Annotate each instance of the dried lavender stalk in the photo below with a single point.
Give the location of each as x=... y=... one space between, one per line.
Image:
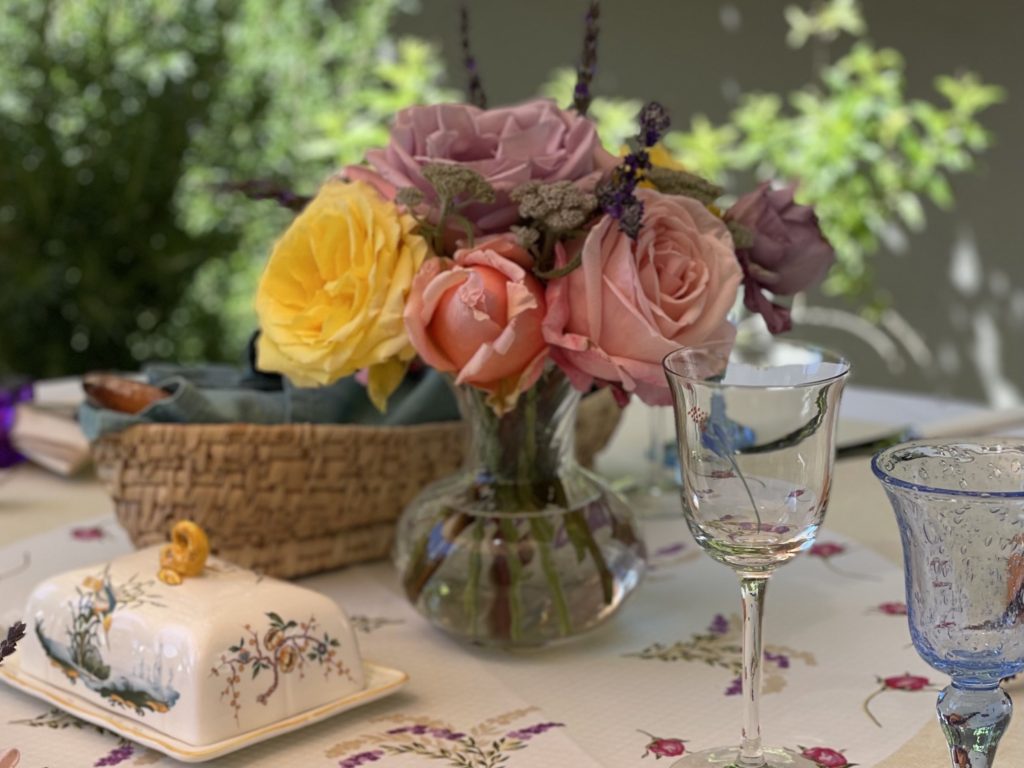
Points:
x=267 y=189
x=474 y=87
x=9 y=645
x=581 y=97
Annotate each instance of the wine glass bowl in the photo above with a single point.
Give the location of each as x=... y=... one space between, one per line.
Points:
x=756 y=435
x=960 y=509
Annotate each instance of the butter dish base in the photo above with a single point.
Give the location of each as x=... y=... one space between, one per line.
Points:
x=380 y=682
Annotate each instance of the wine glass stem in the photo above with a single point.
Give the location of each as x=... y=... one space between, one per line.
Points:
x=752 y=587
x=973 y=719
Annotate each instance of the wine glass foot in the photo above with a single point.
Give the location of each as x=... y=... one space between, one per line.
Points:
x=728 y=757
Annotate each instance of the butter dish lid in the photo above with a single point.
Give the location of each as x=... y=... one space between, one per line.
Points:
x=195 y=647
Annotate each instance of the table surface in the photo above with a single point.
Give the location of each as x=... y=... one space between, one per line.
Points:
x=600 y=671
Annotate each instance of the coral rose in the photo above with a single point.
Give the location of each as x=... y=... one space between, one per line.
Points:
x=479 y=316
x=533 y=141
x=629 y=304
x=331 y=299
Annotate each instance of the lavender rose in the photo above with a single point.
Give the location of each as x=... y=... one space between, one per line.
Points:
x=789 y=253
x=533 y=141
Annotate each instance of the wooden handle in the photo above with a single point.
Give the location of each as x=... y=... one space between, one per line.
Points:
x=117 y=393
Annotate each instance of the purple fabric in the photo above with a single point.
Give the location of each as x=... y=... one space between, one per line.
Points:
x=9 y=398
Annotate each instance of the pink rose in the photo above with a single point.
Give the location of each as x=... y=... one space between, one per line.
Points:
x=789 y=253
x=479 y=316
x=827 y=758
x=629 y=304
x=534 y=140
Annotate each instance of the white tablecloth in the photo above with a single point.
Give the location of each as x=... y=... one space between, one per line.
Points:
x=660 y=676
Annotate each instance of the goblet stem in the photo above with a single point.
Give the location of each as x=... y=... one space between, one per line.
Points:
x=752 y=587
x=973 y=720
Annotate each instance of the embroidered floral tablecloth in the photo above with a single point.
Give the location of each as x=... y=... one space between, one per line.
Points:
x=842 y=682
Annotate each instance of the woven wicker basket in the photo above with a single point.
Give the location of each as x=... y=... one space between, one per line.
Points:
x=294 y=499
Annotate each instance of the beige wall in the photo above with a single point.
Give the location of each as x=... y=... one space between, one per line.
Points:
x=958 y=286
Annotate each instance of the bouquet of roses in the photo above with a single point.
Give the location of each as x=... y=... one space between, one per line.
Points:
x=508 y=248
x=492 y=241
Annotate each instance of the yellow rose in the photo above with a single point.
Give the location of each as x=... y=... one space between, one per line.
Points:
x=331 y=299
x=661 y=158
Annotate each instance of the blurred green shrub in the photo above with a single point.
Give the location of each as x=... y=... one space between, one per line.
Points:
x=119 y=119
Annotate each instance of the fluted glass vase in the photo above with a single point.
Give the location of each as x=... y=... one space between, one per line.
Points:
x=522 y=546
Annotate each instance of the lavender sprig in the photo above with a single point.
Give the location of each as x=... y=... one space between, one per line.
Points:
x=581 y=97
x=9 y=645
x=475 y=88
x=616 y=196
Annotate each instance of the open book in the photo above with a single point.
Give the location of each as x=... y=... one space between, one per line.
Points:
x=49 y=436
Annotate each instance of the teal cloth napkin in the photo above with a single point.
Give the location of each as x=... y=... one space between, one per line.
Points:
x=217 y=394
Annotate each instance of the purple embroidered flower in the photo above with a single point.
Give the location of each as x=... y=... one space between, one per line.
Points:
x=719 y=625
x=781 y=659
x=525 y=734
x=670 y=549
x=735 y=688
x=117 y=755
x=448 y=735
x=424 y=730
x=361 y=759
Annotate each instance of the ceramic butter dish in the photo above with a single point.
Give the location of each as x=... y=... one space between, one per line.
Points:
x=200 y=658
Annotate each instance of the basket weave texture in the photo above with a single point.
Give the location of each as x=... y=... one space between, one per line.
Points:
x=291 y=499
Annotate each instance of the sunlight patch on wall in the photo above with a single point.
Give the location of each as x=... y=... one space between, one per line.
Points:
x=965 y=264
x=987 y=354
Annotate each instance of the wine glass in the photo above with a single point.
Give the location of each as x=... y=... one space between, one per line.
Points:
x=960 y=508
x=756 y=431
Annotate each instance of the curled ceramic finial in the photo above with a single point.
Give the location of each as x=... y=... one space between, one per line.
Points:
x=186 y=555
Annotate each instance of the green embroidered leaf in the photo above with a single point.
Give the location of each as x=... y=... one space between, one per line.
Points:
x=276 y=620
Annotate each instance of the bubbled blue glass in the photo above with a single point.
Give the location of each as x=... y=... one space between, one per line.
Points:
x=960 y=508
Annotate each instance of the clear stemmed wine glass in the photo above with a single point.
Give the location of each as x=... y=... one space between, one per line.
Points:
x=960 y=508
x=756 y=432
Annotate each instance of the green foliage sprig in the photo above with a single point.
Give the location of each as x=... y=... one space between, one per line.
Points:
x=455 y=187
x=552 y=213
x=866 y=155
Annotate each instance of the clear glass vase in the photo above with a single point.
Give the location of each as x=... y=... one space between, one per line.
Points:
x=522 y=546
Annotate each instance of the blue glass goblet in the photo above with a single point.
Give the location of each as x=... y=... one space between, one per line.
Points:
x=960 y=508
